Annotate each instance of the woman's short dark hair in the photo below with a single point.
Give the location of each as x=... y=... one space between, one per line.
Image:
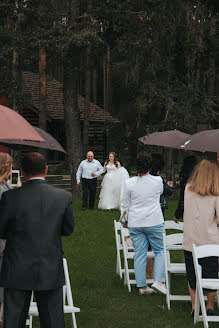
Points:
x=157 y=163
x=144 y=162
x=33 y=163
x=187 y=168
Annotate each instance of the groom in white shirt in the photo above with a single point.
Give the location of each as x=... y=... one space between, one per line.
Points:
x=89 y=169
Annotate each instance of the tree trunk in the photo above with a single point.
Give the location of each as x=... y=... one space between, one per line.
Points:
x=72 y=121
x=42 y=89
x=94 y=83
x=16 y=82
x=87 y=102
x=104 y=85
x=108 y=83
x=211 y=62
x=169 y=165
x=70 y=94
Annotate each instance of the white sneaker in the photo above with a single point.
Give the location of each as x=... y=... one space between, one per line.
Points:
x=160 y=287
x=148 y=290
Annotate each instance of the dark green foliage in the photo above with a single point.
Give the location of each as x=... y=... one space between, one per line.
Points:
x=161 y=77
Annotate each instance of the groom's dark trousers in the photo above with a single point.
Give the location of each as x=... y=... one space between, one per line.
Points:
x=32 y=220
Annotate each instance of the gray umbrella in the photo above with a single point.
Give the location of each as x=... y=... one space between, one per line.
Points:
x=50 y=142
x=172 y=138
x=207 y=140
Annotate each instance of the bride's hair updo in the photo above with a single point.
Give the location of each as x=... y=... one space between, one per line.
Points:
x=115 y=160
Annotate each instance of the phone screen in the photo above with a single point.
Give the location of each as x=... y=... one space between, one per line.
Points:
x=14 y=178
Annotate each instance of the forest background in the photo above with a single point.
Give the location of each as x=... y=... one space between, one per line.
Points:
x=153 y=64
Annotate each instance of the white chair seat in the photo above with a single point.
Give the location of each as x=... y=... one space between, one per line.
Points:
x=70 y=309
x=177 y=268
x=210 y=283
x=33 y=310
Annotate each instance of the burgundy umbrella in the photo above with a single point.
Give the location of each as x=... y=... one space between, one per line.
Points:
x=172 y=138
x=207 y=140
x=14 y=126
x=48 y=143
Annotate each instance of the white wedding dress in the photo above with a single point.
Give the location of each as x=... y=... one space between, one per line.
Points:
x=111 y=187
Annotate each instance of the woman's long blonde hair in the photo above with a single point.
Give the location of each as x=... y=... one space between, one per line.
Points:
x=5 y=166
x=205 y=178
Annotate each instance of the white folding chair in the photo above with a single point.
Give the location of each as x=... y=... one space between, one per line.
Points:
x=198 y=253
x=67 y=301
x=173 y=242
x=119 y=248
x=170 y=224
x=128 y=254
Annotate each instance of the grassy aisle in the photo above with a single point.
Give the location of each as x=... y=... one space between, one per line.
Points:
x=98 y=291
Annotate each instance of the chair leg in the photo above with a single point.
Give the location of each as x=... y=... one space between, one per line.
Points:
x=31 y=321
x=217 y=299
x=197 y=307
x=203 y=308
x=74 y=324
x=119 y=266
x=168 y=290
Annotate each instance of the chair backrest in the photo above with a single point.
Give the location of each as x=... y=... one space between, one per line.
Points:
x=205 y=251
x=117 y=227
x=173 y=239
x=67 y=287
x=124 y=243
x=170 y=224
x=171 y=242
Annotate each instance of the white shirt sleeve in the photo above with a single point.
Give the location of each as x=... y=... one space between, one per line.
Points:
x=162 y=186
x=79 y=172
x=100 y=169
x=125 y=199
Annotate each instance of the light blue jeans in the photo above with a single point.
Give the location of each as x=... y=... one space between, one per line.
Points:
x=141 y=238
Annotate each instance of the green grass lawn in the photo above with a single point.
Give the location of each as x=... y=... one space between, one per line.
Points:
x=104 y=300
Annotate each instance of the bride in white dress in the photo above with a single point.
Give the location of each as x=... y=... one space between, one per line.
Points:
x=112 y=184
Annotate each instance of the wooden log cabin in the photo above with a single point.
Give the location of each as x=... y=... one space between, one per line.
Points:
x=99 y=118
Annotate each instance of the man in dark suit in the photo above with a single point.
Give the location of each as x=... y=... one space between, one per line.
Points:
x=32 y=220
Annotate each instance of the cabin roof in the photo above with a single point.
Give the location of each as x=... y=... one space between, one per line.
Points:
x=54 y=99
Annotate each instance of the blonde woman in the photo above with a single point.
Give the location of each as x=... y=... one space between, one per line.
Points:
x=5 y=172
x=201 y=217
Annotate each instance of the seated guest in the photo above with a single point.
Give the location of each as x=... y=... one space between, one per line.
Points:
x=201 y=217
x=189 y=163
x=33 y=219
x=141 y=199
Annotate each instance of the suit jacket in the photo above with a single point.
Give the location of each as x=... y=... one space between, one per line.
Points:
x=32 y=219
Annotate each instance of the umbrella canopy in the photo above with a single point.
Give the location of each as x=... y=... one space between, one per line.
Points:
x=48 y=143
x=172 y=139
x=14 y=126
x=207 y=140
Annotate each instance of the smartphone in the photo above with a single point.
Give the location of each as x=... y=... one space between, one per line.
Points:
x=15 y=176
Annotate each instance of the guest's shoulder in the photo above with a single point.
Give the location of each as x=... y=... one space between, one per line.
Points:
x=131 y=181
x=11 y=192
x=156 y=178
x=59 y=191
x=96 y=161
